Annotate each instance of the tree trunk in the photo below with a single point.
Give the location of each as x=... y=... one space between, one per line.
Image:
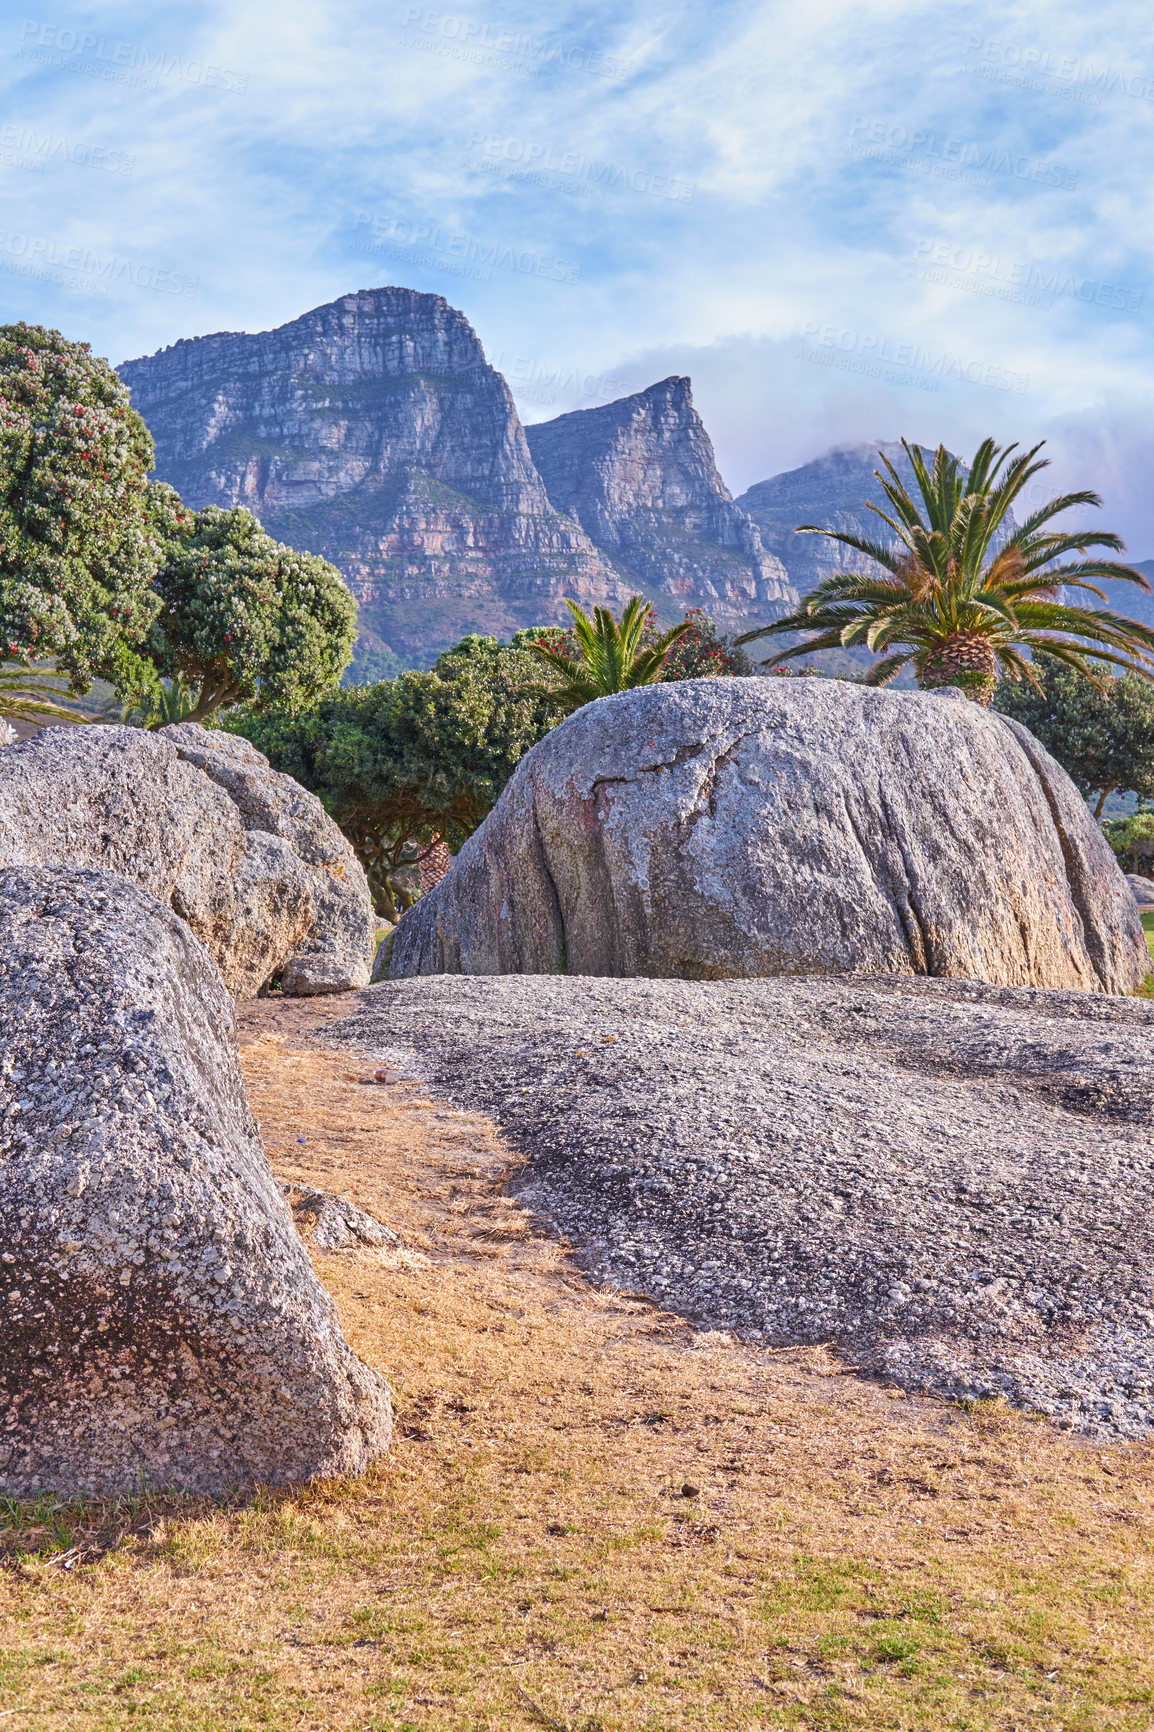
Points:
x=434 y=865
x=1102 y=798
x=965 y=659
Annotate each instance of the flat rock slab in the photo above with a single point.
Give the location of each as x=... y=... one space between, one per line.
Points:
x=951 y=1182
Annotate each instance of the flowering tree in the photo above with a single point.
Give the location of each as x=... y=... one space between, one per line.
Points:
x=78 y=540
x=244 y=619
x=701 y=653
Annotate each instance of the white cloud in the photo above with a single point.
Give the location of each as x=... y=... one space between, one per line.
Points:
x=762 y=168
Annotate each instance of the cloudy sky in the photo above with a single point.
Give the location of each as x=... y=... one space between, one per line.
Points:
x=845 y=221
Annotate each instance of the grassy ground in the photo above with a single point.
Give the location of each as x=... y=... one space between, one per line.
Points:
x=595 y=1517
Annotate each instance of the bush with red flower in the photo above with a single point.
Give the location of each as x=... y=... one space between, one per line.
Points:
x=79 y=544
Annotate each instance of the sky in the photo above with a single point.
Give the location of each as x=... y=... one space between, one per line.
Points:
x=845 y=222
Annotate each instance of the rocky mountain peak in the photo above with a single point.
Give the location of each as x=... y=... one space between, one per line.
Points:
x=372 y=430
x=640 y=477
x=832 y=492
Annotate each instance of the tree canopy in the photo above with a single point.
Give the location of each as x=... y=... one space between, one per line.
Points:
x=244 y=619
x=1102 y=735
x=79 y=543
x=962 y=594
x=409 y=761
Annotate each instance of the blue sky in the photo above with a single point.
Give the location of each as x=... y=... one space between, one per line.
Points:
x=845 y=221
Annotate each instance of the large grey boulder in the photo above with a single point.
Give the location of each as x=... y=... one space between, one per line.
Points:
x=270 y=888
x=952 y=1183
x=163 y=1326
x=337 y=950
x=1142 y=888
x=748 y=827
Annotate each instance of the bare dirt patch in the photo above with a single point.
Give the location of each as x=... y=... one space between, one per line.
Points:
x=594 y=1518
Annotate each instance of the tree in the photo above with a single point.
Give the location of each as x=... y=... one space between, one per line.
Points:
x=410 y=762
x=1132 y=840
x=699 y=654
x=163 y=703
x=1102 y=735
x=611 y=657
x=961 y=598
x=79 y=543
x=244 y=619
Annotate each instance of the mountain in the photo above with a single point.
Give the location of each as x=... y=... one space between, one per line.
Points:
x=831 y=492
x=639 y=476
x=1124 y=598
x=373 y=431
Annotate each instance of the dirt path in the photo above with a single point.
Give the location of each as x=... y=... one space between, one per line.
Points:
x=594 y=1518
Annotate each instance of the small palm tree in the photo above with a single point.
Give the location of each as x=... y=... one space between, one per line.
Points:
x=26 y=695
x=958 y=597
x=168 y=701
x=612 y=656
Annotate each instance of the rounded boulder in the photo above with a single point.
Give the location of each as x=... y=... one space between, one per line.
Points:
x=720 y=828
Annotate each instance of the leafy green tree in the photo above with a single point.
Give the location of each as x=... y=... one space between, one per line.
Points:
x=1101 y=734
x=1132 y=839
x=410 y=762
x=961 y=598
x=611 y=657
x=244 y=619
x=79 y=543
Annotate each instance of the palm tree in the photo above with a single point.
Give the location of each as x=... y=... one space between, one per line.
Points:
x=166 y=702
x=958 y=596
x=612 y=656
x=26 y=695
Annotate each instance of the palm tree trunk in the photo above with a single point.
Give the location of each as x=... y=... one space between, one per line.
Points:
x=965 y=659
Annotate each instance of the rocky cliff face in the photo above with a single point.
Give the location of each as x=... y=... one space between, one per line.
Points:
x=640 y=478
x=831 y=492
x=373 y=431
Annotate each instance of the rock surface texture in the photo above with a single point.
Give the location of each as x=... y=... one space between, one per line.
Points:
x=1143 y=889
x=746 y=827
x=277 y=813
x=951 y=1182
x=639 y=476
x=162 y=1323
x=252 y=862
x=372 y=430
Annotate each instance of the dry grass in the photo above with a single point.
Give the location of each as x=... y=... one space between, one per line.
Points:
x=849 y=1558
